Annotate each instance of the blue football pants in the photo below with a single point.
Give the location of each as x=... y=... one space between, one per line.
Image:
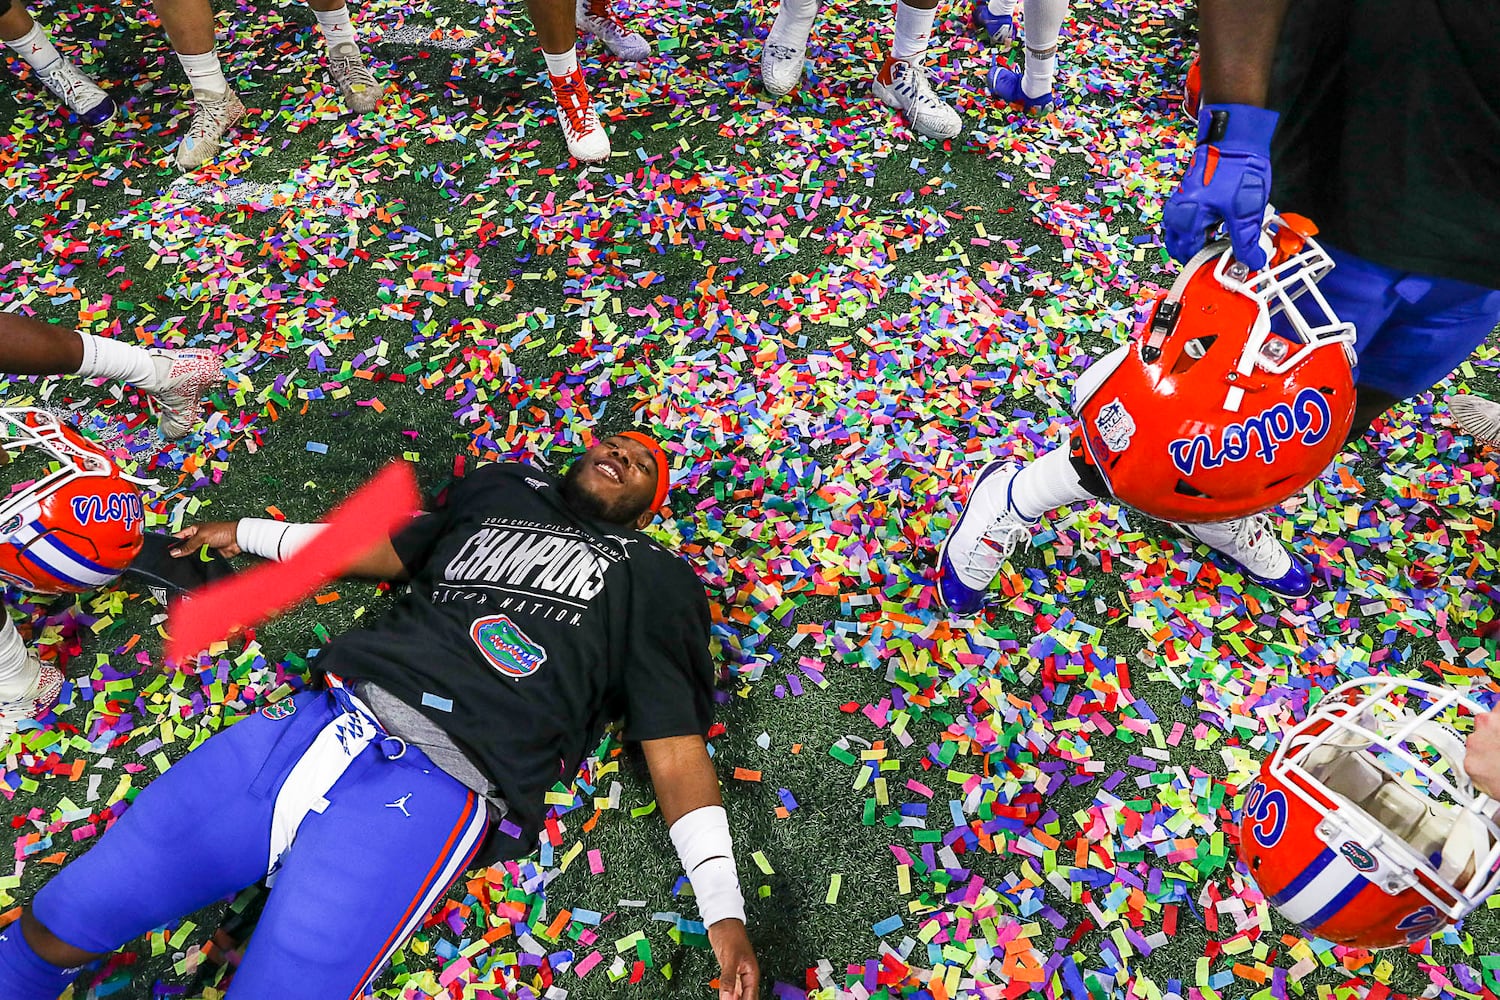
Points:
x=358 y=835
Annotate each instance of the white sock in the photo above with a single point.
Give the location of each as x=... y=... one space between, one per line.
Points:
x=561 y=63
x=18 y=673
x=337 y=28
x=1003 y=7
x=204 y=72
x=118 y=362
x=1044 y=20
x=794 y=21
x=913 y=32
x=35 y=47
x=1047 y=484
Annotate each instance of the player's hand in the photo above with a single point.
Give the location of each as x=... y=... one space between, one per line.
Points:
x=1482 y=754
x=221 y=536
x=739 y=974
x=1228 y=181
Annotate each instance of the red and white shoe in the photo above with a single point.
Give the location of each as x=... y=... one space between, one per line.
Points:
x=587 y=140
x=904 y=86
x=184 y=376
x=35 y=704
x=596 y=18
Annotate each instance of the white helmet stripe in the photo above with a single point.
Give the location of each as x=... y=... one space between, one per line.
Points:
x=59 y=561
x=1337 y=880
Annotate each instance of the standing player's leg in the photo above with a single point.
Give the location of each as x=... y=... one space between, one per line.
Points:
x=196 y=834
x=785 y=51
x=360 y=877
x=56 y=72
x=216 y=108
x=28 y=688
x=597 y=18
x=346 y=64
x=1003 y=506
x=902 y=80
x=996 y=19
x=557 y=29
x=1032 y=89
x=176 y=379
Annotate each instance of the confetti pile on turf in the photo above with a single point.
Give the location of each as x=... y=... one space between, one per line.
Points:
x=833 y=325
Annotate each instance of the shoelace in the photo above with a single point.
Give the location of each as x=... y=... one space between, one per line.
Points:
x=916 y=87
x=1253 y=533
x=209 y=119
x=67 y=83
x=351 y=72
x=578 y=111
x=996 y=544
x=780 y=51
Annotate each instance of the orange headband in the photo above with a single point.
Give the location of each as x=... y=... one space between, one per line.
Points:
x=663 y=469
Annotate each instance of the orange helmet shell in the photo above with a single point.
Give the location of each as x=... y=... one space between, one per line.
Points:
x=1210 y=415
x=76 y=528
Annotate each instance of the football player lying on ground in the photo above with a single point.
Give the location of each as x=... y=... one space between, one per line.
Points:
x=537 y=611
x=1235 y=395
x=47 y=544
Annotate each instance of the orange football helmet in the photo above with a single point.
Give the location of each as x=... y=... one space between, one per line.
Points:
x=1210 y=413
x=79 y=525
x=1362 y=827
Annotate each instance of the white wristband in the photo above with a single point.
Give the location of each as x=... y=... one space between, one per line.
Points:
x=707 y=854
x=278 y=540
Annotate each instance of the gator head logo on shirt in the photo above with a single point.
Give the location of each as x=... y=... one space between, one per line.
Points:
x=508 y=649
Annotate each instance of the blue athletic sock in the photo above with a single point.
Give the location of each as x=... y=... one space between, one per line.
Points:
x=24 y=975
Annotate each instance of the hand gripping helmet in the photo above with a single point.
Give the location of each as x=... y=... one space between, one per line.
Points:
x=1237 y=393
x=1362 y=827
x=77 y=526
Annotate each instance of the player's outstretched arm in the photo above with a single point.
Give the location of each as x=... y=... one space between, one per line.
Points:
x=1482 y=754
x=687 y=790
x=278 y=540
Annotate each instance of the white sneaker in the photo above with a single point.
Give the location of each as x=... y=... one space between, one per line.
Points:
x=626 y=45
x=213 y=115
x=986 y=533
x=587 y=140
x=782 y=59
x=35 y=704
x=905 y=86
x=1251 y=545
x=80 y=94
x=346 y=64
x=184 y=376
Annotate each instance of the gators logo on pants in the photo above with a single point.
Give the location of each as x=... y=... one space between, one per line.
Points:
x=508 y=649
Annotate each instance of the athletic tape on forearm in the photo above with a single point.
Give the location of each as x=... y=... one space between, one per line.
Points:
x=278 y=540
x=707 y=853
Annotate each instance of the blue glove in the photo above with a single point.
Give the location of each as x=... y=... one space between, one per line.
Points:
x=1228 y=181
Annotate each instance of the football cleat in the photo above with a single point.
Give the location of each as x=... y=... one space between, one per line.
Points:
x=598 y=20
x=587 y=140
x=781 y=62
x=999 y=28
x=185 y=376
x=1005 y=83
x=904 y=85
x=213 y=115
x=984 y=536
x=346 y=64
x=1251 y=547
x=36 y=703
x=80 y=94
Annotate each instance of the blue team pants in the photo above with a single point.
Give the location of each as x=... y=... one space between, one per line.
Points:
x=358 y=834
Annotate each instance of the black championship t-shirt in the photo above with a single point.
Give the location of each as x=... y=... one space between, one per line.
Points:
x=1389 y=136
x=527 y=628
